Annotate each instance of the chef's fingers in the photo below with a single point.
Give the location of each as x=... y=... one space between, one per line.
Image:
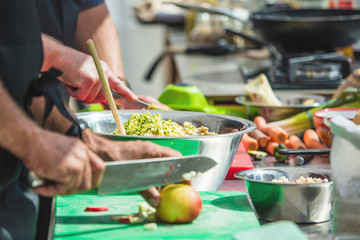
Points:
x=119 y=86
x=97 y=169
x=152 y=196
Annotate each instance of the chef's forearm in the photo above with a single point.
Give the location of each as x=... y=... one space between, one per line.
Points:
x=54 y=52
x=96 y=24
x=17 y=130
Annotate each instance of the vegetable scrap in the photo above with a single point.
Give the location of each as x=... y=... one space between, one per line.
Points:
x=96 y=209
x=146 y=213
x=147 y=124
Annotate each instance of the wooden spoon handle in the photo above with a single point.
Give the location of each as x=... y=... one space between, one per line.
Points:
x=357 y=118
x=106 y=87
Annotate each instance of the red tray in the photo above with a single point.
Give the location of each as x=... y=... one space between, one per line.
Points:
x=241 y=162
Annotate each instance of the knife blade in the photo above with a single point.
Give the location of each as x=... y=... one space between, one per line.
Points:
x=127 y=104
x=137 y=175
x=131 y=176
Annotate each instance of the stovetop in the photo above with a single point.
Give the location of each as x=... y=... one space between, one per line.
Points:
x=303 y=71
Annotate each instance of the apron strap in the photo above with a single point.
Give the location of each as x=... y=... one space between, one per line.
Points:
x=46 y=85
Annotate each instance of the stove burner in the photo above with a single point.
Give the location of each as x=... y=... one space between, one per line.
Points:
x=319 y=71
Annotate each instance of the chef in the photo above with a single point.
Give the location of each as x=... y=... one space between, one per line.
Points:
x=36 y=140
x=66 y=27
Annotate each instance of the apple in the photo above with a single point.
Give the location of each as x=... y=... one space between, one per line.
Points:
x=179 y=203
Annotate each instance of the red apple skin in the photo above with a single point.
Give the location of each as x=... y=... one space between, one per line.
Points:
x=179 y=203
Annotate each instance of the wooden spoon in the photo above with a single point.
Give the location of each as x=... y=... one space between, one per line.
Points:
x=106 y=87
x=357 y=118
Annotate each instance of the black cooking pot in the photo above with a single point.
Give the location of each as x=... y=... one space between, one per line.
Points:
x=306 y=30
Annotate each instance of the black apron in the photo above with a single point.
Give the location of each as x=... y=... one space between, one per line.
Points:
x=20 y=62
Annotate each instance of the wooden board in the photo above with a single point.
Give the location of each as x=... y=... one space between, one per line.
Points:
x=223 y=214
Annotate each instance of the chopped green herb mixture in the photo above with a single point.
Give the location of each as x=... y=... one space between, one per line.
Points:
x=147 y=124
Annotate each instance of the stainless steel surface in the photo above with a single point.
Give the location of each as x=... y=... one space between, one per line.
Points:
x=292 y=103
x=221 y=147
x=301 y=203
x=120 y=100
x=136 y=175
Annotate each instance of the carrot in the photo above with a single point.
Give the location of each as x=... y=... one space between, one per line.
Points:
x=277 y=134
x=296 y=143
x=312 y=140
x=261 y=137
x=249 y=142
x=287 y=143
x=270 y=148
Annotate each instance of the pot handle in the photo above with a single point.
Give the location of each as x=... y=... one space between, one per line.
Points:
x=258 y=42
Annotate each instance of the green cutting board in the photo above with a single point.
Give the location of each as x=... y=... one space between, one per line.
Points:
x=223 y=214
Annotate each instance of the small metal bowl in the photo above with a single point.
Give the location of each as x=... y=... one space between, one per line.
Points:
x=292 y=103
x=297 y=202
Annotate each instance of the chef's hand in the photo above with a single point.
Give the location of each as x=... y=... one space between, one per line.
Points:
x=66 y=161
x=79 y=72
x=110 y=150
x=83 y=82
x=154 y=101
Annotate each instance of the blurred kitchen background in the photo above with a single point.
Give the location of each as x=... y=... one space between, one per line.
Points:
x=151 y=28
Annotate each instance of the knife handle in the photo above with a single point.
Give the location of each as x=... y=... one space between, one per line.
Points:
x=304 y=151
x=35 y=180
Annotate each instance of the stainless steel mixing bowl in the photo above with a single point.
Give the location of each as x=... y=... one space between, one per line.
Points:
x=298 y=202
x=292 y=103
x=221 y=147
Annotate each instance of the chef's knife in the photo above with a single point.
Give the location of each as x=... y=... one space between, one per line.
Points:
x=137 y=175
x=127 y=104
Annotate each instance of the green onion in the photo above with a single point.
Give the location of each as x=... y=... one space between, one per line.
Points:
x=300 y=122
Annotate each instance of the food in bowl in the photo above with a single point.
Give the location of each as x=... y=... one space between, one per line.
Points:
x=301 y=179
x=300 y=203
x=322 y=119
x=147 y=124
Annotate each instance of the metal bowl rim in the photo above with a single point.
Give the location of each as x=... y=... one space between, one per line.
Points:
x=237 y=175
x=251 y=125
x=241 y=100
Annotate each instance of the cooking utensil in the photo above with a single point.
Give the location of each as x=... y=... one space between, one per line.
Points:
x=106 y=87
x=325 y=151
x=127 y=176
x=298 y=202
x=136 y=175
x=291 y=104
x=127 y=104
x=301 y=160
x=297 y=30
x=204 y=7
x=306 y=30
x=221 y=147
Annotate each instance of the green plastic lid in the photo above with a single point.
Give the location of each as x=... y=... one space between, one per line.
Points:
x=186 y=97
x=181 y=96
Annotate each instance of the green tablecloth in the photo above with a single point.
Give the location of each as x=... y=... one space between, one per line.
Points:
x=223 y=214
